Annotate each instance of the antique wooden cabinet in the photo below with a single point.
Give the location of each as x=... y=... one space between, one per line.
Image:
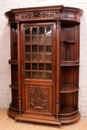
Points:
x=45 y=64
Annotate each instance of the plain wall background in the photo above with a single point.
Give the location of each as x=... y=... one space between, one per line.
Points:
x=5 y=72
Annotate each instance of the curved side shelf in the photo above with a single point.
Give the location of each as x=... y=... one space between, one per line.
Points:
x=69 y=42
x=68 y=89
x=70 y=63
x=14 y=86
x=68 y=111
x=13 y=62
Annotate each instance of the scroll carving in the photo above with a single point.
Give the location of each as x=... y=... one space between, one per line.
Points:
x=40 y=15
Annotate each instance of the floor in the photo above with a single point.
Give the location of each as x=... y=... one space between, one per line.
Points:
x=7 y=123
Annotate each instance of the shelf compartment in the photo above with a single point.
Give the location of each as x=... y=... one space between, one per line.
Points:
x=69 y=104
x=13 y=62
x=68 y=89
x=70 y=63
x=14 y=86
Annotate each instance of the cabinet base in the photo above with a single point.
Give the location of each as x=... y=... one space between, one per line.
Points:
x=38 y=119
x=63 y=120
x=12 y=112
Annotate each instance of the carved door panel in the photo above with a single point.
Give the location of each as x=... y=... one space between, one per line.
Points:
x=38 y=62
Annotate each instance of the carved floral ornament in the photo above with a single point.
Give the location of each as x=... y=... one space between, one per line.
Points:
x=38 y=98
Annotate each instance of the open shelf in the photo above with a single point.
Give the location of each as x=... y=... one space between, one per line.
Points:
x=13 y=62
x=68 y=89
x=70 y=63
x=14 y=85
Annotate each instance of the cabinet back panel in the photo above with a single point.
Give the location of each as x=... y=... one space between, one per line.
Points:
x=69 y=43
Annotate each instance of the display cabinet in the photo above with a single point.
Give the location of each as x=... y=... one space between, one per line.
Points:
x=45 y=64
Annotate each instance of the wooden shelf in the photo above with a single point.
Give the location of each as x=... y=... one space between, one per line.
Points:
x=69 y=42
x=14 y=86
x=67 y=111
x=70 y=63
x=13 y=62
x=14 y=106
x=68 y=89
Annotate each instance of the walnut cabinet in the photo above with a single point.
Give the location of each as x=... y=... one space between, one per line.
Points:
x=44 y=64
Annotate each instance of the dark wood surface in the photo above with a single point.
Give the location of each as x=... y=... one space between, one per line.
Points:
x=45 y=64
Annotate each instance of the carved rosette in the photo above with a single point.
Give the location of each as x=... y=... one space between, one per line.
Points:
x=38 y=98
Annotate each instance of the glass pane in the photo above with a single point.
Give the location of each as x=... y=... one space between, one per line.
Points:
x=41 y=66
x=27 y=48
x=48 y=57
x=41 y=30
x=34 y=66
x=48 y=75
x=48 y=48
x=34 y=40
x=41 y=57
x=41 y=48
x=34 y=57
x=27 y=66
x=27 y=57
x=48 y=39
x=34 y=48
x=34 y=30
x=27 y=39
x=27 y=30
x=28 y=74
x=48 y=31
x=41 y=39
x=48 y=66
x=34 y=75
x=41 y=75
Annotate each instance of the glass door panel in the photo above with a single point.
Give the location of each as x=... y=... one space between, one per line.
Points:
x=38 y=52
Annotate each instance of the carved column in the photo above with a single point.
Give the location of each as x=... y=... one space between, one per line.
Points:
x=19 y=85
x=57 y=94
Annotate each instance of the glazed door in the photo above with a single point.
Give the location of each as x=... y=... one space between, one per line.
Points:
x=38 y=68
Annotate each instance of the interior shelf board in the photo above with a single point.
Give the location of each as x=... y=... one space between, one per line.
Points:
x=67 y=111
x=13 y=106
x=69 y=42
x=70 y=63
x=13 y=62
x=68 y=89
x=14 y=85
